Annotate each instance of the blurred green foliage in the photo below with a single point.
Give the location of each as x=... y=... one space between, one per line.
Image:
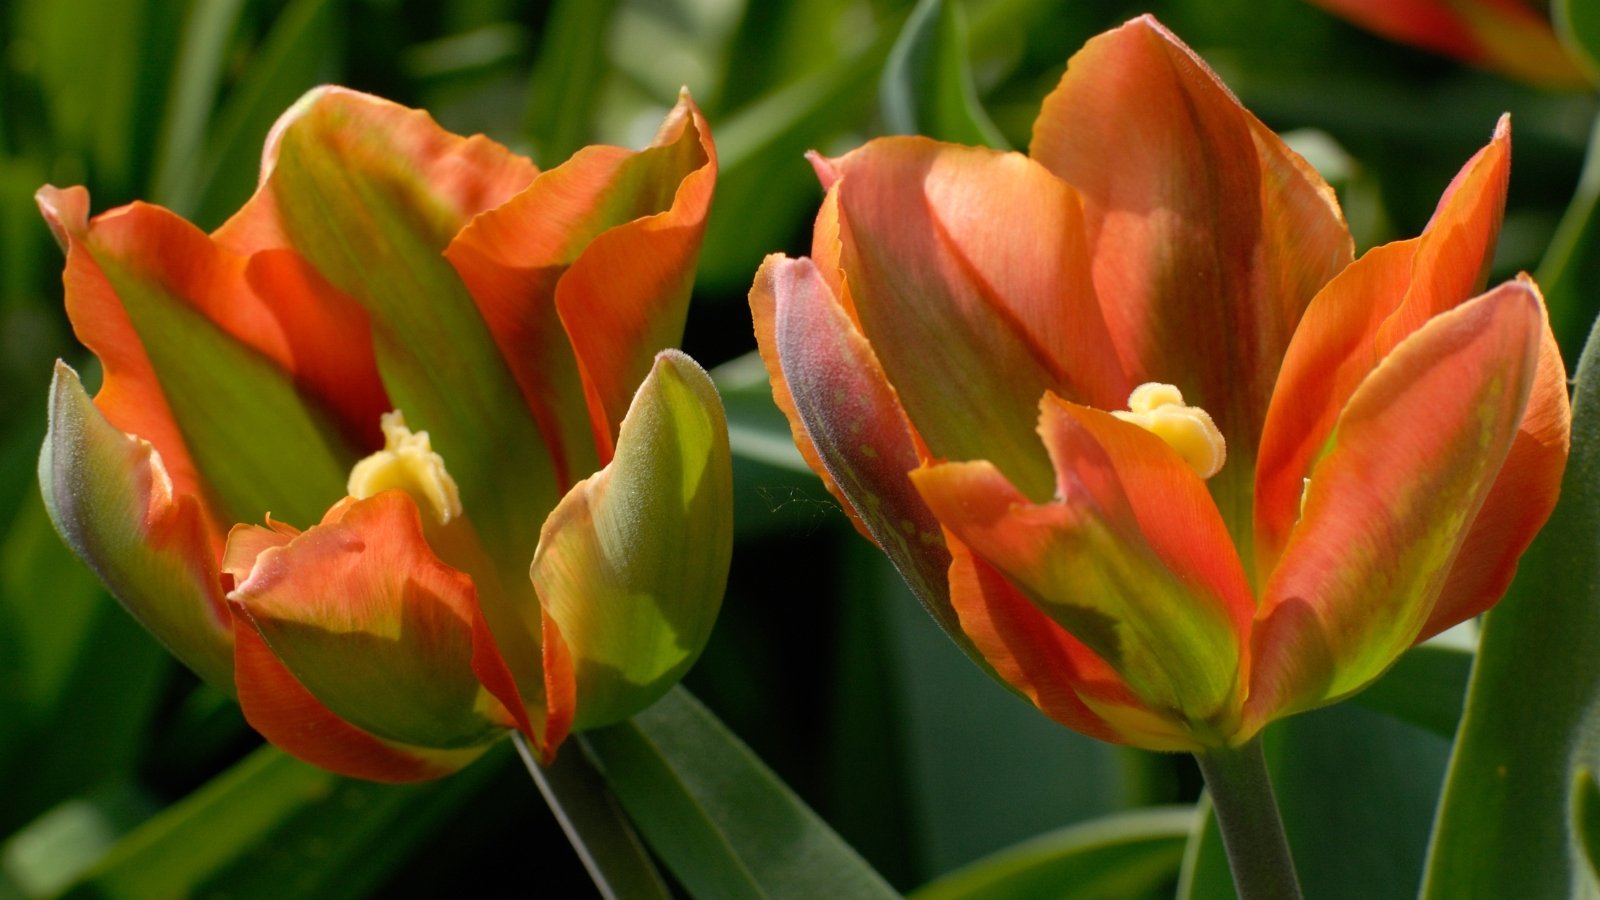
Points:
x=115 y=764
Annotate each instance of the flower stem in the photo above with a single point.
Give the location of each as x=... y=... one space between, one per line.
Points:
x=1247 y=815
x=599 y=831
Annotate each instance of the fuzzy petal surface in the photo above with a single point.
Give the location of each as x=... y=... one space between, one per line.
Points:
x=631 y=566
x=112 y=499
x=848 y=421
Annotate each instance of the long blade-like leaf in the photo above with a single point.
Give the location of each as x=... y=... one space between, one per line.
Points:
x=720 y=820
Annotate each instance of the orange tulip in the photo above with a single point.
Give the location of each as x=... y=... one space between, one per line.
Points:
x=453 y=373
x=1134 y=426
x=1505 y=36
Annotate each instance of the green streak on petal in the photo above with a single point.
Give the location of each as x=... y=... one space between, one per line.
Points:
x=260 y=446
x=376 y=231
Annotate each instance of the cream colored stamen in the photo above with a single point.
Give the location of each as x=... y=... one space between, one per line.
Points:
x=407 y=462
x=1159 y=409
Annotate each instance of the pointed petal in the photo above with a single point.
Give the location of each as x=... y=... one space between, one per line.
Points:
x=849 y=425
x=130 y=395
x=1387 y=511
x=631 y=566
x=364 y=585
x=626 y=298
x=973 y=322
x=1131 y=559
x=285 y=713
x=1208 y=235
x=181 y=322
x=1520 y=501
x=641 y=215
x=370 y=194
x=1359 y=318
x=111 y=498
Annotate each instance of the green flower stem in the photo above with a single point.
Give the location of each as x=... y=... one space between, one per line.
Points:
x=598 y=829
x=1247 y=815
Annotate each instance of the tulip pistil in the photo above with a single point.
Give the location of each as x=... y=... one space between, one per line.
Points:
x=407 y=462
x=1159 y=409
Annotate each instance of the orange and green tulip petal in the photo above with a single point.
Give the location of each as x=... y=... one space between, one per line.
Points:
x=222 y=366
x=1130 y=557
x=1519 y=503
x=1028 y=651
x=131 y=396
x=848 y=422
x=1387 y=509
x=1507 y=36
x=972 y=325
x=371 y=194
x=285 y=713
x=111 y=497
x=1359 y=318
x=1209 y=237
x=631 y=566
x=327 y=343
x=370 y=622
x=585 y=275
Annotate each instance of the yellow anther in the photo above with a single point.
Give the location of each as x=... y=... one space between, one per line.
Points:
x=1159 y=409
x=407 y=462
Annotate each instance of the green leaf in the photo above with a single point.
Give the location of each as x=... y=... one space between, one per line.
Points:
x=600 y=833
x=1578 y=26
x=1571 y=264
x=1130 y=854
x=65 y=723
x=1533 y=707
x=764 y=185
x=296 y=54
x=567 y=78
x=720 y=820
x=273 y=826
x=100 y=91
x=1586 y=821
x=196 y=77
x=927 y=88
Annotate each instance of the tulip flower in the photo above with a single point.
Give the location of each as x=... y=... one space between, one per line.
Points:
x=1135 y=427
x=401 y=454
x=1505 y=36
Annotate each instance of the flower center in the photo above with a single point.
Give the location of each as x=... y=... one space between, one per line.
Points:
x=407 y=462
x=1159 y=409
